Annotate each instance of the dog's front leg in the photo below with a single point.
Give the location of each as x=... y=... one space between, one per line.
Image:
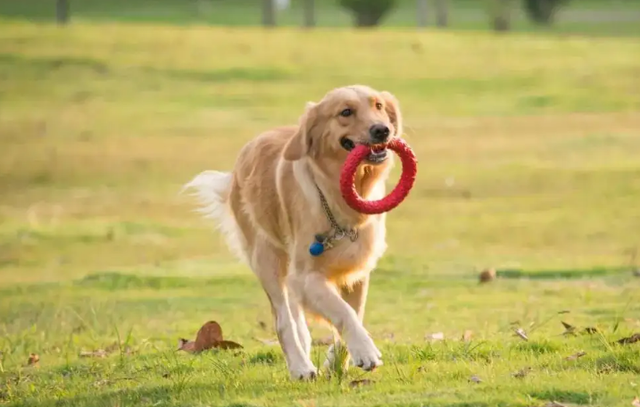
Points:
x=356 y=296
x=323 y=298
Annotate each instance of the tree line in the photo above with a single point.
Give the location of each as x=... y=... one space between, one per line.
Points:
x=371 y=13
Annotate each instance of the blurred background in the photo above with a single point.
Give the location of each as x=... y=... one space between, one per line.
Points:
x=524 y=115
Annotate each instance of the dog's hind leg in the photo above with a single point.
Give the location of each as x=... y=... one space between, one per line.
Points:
x=269 y=264
x=304 y=336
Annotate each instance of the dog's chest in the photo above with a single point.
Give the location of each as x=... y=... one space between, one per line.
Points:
x=347 y=257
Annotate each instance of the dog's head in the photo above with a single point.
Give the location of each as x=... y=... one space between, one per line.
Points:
x=344 y=118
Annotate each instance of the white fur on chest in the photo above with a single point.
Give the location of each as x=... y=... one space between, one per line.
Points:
x=347 y=260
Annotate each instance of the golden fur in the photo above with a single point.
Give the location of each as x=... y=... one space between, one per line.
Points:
x=269 y=209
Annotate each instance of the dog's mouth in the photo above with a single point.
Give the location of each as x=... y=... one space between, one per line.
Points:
x=377 y=155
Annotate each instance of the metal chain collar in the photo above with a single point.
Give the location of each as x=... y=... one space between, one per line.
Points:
x=338 y=231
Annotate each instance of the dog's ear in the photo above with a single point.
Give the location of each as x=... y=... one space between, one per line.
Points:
x=301 y=143
x=392 y=107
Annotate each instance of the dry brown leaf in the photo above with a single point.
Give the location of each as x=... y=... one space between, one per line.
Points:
x=636 y=402
x=208 y=336
x=99 y=353
x=590 y=330
x=522 y=334
x=33 y=359
x=522 y=372
x=487 y=275
x=475 y=379
x=553 y=404
x=228 y=345
x=632 y=339
x=360 y=382
x=568 y=329
x=186 y=345
x=113 y=347
x=437 y=336
x=575 y=356
x=466 y=336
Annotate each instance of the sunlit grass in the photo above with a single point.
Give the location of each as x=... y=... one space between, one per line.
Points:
x=528 y=149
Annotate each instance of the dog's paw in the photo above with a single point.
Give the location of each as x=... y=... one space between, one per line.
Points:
x=364 y=353
x=303 y=372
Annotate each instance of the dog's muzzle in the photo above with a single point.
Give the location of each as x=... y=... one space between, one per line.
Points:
x=378 y=151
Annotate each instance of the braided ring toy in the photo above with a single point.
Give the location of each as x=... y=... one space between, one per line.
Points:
x=399 y=193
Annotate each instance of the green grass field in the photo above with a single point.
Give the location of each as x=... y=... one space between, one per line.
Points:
x=528 y=148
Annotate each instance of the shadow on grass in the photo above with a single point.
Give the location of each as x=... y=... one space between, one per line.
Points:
x=564 y=396
x=175 y=394
x=45 y=65
x=179 y=394
x=566 y=274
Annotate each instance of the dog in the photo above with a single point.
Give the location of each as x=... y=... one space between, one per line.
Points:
x=283 y=195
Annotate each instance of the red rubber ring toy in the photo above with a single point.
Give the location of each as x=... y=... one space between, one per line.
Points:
x=399 y=193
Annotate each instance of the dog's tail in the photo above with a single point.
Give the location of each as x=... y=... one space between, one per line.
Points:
x=212 y=189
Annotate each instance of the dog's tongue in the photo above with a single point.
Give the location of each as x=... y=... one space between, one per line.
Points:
x=378 y=148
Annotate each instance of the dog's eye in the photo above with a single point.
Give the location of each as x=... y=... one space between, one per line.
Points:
x=379 y=106
x=346 y=113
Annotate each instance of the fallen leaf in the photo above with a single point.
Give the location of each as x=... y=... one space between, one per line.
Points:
x=590 y=330
x=575 y=356
x=360 y=382
x=605 y=369
x=438 y=336
x=33 y=359
x=487 y=275
x=553 y=404
x=208 y=336
x=99 y=353
x=632 y=339
x=228 y=345
x=466 y=336
x=186 y=345
x=522 y=334
x=475 y=379
x=522 y=372
x=113 y=347
x=568 y=329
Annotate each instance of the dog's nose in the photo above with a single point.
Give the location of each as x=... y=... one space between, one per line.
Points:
x=379 y=133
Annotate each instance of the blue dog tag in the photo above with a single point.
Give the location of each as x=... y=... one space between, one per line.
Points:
x=316 y=248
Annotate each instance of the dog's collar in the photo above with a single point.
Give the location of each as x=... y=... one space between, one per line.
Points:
x=325 y=241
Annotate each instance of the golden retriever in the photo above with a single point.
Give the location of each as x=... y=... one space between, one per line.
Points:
x=280 y=198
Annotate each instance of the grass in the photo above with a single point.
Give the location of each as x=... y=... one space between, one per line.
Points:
x=528 y=152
